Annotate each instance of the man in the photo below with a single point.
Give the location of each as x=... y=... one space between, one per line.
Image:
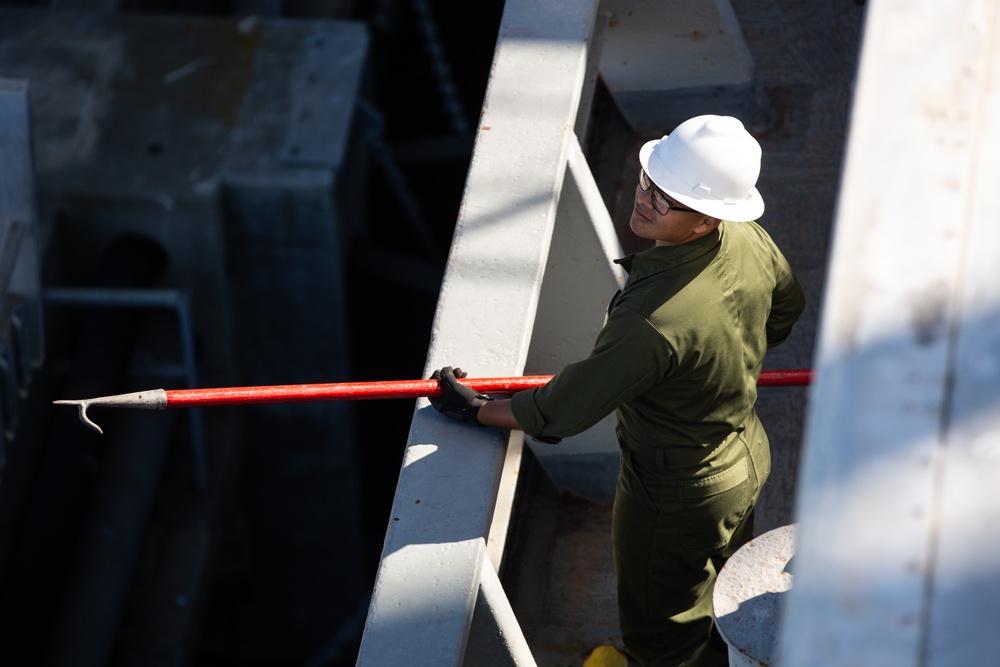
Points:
x=677 y=360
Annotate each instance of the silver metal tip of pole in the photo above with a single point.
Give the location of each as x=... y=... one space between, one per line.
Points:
x=82 y=404
x=152 y=399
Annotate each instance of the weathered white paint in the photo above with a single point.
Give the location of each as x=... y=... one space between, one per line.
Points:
x=898 y=500
x=496 y=542
x=748 y=595
x=657 y=51
x=580 y=280
x=965 y=592
x=665 y=44
x=428 y=579
x=495 y=636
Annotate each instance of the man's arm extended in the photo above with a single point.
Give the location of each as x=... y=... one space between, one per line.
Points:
x=498 y=413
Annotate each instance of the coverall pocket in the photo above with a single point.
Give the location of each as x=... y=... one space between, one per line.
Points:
x=713 y=507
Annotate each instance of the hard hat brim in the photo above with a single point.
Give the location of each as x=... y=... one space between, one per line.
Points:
x=749 y=208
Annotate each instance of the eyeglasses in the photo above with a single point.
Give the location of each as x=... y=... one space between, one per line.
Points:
x=660 y=201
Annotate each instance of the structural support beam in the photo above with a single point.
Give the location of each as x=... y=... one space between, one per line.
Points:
x=580 y=281
x=664 y=61
x=495 y=637
x=435 y=545
x=898 y=509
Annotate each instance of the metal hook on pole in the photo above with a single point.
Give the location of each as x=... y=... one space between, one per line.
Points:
x=159 y=399
x=153 y=399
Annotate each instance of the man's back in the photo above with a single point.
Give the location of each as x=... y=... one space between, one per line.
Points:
x=707 y=305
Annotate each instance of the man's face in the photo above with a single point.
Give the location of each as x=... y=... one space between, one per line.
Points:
x=672 y=228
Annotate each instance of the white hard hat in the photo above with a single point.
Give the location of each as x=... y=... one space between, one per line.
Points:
x=708 y=163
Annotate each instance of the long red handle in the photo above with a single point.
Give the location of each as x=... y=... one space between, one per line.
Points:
x=345 y=391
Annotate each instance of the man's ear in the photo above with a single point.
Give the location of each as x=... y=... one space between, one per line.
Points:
x=708 y=224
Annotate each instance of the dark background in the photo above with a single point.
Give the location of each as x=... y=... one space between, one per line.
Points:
x=393 y=270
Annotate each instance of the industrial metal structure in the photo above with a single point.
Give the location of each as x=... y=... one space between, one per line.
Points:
x=176 y=197
x=899 y=451
x=535 y=241
x=191 y=200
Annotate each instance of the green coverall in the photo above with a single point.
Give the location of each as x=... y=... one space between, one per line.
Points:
x=678 y=360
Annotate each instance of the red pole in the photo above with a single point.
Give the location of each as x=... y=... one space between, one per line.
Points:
x=346 y=391
x=158 y=399
x=343 y=391
x=796 y=377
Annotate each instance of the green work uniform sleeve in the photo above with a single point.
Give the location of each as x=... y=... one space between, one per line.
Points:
x=680 y=353
x=628 y=358
x=787 y=302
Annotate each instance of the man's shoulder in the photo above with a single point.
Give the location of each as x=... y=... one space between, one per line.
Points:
x=750 y=242
x=745 y=231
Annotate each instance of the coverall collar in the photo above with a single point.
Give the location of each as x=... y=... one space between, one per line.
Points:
x=659 y=258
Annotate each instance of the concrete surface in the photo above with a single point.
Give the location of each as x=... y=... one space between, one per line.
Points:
x=748 y=596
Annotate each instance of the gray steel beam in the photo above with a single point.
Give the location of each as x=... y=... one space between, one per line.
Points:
x=435 y=546
x=898 y=512
x=495 y=637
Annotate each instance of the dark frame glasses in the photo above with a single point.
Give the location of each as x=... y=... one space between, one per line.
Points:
x=661 y=204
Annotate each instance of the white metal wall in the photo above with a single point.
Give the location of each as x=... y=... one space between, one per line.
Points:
x=899 y=503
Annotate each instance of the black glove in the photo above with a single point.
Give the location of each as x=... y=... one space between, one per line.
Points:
x=457 y=401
